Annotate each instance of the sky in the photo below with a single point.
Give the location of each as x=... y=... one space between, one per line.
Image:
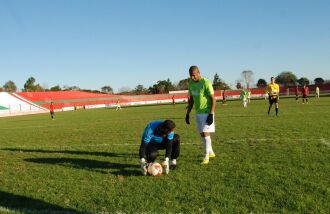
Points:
x=124 y=43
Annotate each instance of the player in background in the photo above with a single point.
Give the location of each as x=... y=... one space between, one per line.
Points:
x=248 y=93
x=305 y=92
x=317 y=92
x=173 y=100
x=201 y=94
x=224 y=97
x=244 y=97
x=273 y=90
x=118 y=105
x=51 y=110
x=296 y=92
x=159 y=135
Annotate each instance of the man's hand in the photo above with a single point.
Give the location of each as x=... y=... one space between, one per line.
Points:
x=166 y=165
x=143 y=166
x=209 y=119
x=187 y=119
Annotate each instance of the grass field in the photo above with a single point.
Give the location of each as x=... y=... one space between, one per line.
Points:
x=86 y=161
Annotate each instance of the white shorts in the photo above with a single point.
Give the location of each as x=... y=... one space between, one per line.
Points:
x=201 y=123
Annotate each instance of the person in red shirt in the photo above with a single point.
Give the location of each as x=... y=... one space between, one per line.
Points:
x=305 y=93
x=51 y=109
x=297 y=93
x=224 y=98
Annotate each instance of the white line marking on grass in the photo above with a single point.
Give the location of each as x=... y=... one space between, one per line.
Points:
x=26 y=127
x=325 y=142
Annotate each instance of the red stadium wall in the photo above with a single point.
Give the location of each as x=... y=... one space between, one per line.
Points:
x=78 y=99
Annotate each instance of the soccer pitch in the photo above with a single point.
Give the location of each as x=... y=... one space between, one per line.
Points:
x=86 y=161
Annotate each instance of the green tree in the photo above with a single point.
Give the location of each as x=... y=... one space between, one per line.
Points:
x=261 y=83
x=238 y=85
x=71 y=88
x=10 y=86
x=107 y=89
x=38 y=88
x=56 y=88
x=183 y=84
x=287 y=78
x=29 y=84
x=162 y=87
x=139 y=89
x=319 y=81
x=302 y=81
x=218 y=83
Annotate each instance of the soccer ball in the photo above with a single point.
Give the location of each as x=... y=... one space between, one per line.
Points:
x=155 y=169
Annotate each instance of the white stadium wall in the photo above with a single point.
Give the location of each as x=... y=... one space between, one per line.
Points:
x=12 y=104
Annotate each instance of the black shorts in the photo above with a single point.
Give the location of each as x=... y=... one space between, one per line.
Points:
x=272 y=99
x=304 y=96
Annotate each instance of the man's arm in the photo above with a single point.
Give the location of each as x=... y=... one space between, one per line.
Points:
x=209 y=119
x=190 y=104
x=168 y=148
x=168 y=153
x=143 y=148
x=146 y=138
x=213 y=102
x=189 y=107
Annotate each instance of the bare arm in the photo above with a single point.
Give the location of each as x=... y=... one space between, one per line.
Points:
x=213 y=101
x=190 y=104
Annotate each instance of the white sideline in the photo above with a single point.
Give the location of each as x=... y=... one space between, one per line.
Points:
x=325 y=142
x=322 y=140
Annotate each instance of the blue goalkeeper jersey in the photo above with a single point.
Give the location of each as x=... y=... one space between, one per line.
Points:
x=149 y=134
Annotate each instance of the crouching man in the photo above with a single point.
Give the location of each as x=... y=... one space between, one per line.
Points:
x=159 y=135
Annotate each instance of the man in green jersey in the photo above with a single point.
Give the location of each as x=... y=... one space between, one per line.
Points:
x=244 y=97
x=201 y=94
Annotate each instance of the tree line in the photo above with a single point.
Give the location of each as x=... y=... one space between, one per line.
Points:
x=288 y=78
x=285 y=78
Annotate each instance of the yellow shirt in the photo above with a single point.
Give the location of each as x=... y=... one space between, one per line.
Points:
x=273 y=89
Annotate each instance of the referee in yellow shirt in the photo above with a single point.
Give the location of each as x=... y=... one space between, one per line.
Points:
x=273 y=90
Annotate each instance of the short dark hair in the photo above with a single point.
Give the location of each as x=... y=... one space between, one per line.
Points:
x=166 y=127
x=193 y=68
x=169 y=124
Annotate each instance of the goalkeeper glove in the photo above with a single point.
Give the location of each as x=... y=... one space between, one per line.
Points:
x=209 y=119
x=166 y=165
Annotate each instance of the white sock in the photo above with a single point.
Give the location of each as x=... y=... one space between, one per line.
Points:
x=208 y=146
x=209 y=143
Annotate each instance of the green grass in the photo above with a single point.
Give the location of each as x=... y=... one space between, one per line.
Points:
x=86 y=161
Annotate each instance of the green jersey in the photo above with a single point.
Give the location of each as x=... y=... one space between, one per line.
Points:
x=201 y=92
x=244 y=94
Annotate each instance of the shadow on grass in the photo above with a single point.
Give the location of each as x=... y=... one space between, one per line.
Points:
x=28 y=205
x=93 y=165
x=104 y=154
